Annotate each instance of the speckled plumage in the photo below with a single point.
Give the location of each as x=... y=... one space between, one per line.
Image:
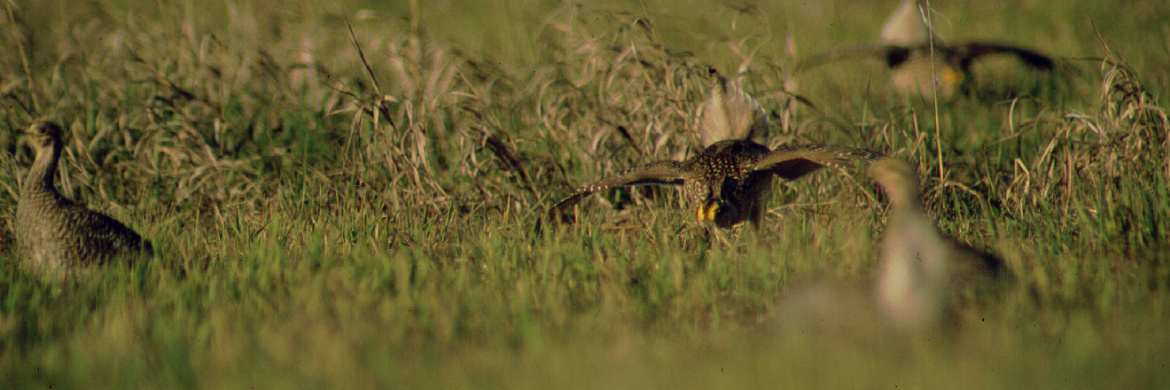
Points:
x=729 y=178
x=57 y=235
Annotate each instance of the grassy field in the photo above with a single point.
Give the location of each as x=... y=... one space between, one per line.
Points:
x=361 y=210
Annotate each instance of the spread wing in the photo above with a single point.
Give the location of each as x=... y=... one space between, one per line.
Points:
x=963 y=54
x=662 y=172
x=794 y=162
x=891 y=54
x=971 y=51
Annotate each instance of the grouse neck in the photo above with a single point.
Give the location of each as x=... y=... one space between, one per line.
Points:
x=44 y=168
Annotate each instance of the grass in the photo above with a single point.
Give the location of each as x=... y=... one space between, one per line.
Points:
x=324 y=221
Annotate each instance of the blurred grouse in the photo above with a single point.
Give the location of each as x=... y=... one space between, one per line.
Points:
x=921 y=65
x=922 y=270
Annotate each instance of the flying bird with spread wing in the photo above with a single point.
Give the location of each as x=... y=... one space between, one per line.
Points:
x=919 y=63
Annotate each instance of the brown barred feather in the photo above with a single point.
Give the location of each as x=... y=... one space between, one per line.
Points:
x=58 y=236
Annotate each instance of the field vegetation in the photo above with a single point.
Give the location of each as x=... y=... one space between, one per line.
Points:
x=351 y=194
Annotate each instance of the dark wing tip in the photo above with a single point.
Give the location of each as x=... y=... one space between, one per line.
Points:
x=1036 y=60
x=794 y=162
x=1031 y=58
x=558 y=212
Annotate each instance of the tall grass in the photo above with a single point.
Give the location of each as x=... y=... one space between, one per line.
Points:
x=347 y=194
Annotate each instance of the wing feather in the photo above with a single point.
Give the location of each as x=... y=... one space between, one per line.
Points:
x=662 y=172
x=971 y=51
x=794 y=162
x=891 y=54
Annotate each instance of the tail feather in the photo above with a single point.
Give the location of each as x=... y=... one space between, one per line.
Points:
x=730 y=114
x=906 y=27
